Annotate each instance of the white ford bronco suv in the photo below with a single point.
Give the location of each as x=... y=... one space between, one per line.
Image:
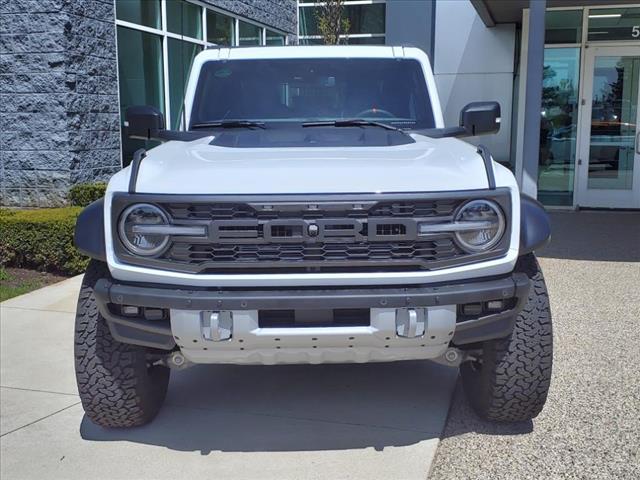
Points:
x=312 y=208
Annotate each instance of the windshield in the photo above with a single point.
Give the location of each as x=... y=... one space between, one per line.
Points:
x=392 y=91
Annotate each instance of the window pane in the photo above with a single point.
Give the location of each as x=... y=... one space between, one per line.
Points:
x=614 y=109
x=219 y=28
x=249 y=34
x=614 y=24
x=311 y=41
x=184 y=18
x=140 y=77
x=368 y=18
x=563 y=26
x=181 y=55
x=142 y=12
x=558 y=125
x=365 y=40
x=308 y=24
x=274 y=38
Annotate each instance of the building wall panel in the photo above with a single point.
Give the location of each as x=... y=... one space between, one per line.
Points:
x=474 y=63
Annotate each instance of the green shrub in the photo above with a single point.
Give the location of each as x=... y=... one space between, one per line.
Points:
x=41 y=239
x=83 y=194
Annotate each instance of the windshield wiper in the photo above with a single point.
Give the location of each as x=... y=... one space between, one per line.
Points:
x=229 y=124
x=353 y=122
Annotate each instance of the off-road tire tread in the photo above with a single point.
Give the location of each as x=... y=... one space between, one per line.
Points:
x=514 y=379
x=116 y=388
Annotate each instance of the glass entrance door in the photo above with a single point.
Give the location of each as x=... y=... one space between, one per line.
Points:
x=609 y=156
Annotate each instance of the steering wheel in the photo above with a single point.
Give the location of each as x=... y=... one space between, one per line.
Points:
x=371 y=112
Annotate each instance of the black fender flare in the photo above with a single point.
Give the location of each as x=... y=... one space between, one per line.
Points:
x=535 y=225
x=89 y=234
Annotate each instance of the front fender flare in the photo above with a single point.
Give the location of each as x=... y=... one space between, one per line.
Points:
x=89 y=233
x=535 y=225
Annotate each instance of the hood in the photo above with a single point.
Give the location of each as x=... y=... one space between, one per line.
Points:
x=201 y=168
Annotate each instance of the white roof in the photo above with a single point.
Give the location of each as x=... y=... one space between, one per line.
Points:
x=309 y=51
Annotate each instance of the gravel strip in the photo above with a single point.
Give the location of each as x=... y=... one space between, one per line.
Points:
x=590 y=427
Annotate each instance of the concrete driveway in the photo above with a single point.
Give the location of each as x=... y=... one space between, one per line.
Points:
x=287 y=422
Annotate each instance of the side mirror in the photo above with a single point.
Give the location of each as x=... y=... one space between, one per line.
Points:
x=144 y=122
x=480 y=118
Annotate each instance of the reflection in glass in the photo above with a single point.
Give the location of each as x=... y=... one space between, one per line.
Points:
x=365 y=40
x=614 y=109
x=311 y=41
x=184 y=18
x=181 y=55
x=365 y=18
x=275 y=38
x=558 y=125
x=139 y=77
x=249 y=33
x=141 y=12
x=563 y=26
x=614 y=24
x=307 y=22
x=368 y=18
x=219 y=28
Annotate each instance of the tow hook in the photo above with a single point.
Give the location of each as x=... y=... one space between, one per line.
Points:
x=175 y=361
x=453 y=357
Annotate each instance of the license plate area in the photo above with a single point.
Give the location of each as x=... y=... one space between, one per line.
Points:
x=336 y=317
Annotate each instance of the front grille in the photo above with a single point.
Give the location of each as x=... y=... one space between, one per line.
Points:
x=305 y=234
x=240 y=240
x=415 y=209
x=265 y=211
x=415 y=252
x=210 y=211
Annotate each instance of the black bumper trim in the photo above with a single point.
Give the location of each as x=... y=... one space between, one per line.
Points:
x=140 y=335
x=497 y=325
x=158 y=334
x=135 y=331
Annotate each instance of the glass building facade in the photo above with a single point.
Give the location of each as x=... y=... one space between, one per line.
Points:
x=560 y=99
x=366 y=21
x=157 y=42
x=606 y=138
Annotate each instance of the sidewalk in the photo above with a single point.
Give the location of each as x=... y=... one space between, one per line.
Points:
x=286 y=422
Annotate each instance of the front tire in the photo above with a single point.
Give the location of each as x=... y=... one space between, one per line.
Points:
x=118 y=387
x=511 y=381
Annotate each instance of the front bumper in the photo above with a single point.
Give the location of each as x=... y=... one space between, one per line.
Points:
x=252 y=344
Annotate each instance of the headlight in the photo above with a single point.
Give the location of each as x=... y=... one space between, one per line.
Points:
x=479 y=225
x=137 y=232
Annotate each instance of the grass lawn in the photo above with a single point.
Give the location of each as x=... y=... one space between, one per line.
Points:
x=16 y=281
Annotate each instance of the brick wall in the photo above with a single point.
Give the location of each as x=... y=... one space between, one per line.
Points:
x=59 y=121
